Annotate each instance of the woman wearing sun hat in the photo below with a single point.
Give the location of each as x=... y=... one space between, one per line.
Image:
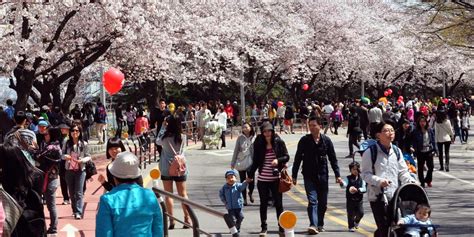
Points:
x=128 y=209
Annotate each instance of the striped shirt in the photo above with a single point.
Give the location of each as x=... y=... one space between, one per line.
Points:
x=267 y=170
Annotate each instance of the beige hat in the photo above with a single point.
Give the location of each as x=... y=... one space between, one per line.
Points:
x=125 y=166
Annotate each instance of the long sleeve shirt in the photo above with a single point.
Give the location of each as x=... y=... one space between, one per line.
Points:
x=129 y=210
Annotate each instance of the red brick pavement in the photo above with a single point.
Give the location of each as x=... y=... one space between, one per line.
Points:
x=86 y=226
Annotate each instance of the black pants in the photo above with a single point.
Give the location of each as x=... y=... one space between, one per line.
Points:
x=446 y=146
x=223 y=138
x=425 y=157
x=381 y=218
x=243 y=175
x=355 y=212
x=264 y=190
x=118 y=133
x=353 y=140
x=131 y=127
x=464 y=134
x=364 y=130
x=336 y=126
x=62 y=181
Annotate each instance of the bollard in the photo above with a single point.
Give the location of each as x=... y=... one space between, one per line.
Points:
x=287 y=221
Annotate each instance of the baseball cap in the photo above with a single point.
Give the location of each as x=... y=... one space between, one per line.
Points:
x=230 y=172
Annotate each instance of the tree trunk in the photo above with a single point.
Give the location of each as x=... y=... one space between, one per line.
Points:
x=70 y=93
x=23 y=86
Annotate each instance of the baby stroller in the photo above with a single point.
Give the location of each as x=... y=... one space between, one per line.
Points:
x=212 y=135
x=403 y=203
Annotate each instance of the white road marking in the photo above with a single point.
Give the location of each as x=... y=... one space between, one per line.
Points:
x=456 y=178
x=70 y=229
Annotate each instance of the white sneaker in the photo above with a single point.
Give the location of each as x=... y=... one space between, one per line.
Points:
x=312 y=230
x=352 y=229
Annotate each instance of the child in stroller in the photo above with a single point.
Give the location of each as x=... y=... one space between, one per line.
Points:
x=212 y=136
x=410 y=212
x=418 y=223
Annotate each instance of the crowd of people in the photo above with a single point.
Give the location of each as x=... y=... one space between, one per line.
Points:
x=53 y=150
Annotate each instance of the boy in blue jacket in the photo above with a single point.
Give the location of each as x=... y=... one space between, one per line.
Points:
x=231 y=195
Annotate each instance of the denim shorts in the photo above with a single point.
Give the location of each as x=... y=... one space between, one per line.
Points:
x=174 y=178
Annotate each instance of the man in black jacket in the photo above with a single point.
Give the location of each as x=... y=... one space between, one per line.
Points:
x=314 y=150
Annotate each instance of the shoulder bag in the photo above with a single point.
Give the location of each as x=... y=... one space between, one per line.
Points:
x=285 y=181
x=12 y=210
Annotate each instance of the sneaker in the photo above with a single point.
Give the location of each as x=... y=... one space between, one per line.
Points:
x=263 y=232
x=352 y=229
x=77 y=216
x=312 y=230
x=321 y=229
x=356 y=225
x=51 y=231
x=66 y=202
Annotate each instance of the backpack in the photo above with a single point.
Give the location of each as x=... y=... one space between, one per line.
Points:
x=177 y=164
x=101 y=113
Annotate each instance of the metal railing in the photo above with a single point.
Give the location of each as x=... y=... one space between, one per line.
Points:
x=189 y=205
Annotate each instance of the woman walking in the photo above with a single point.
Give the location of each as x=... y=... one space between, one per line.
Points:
x=424 y=144
x=444 y=136
x=173 y=143
x=269 y=158
x=49 y=159
x=354 y=132
x=242 y=158
x=76 y=154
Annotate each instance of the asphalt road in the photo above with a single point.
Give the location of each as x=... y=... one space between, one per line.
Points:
x=451 y=196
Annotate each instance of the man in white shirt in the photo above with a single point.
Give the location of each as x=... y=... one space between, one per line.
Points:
x=327 y=110
x=375 y=117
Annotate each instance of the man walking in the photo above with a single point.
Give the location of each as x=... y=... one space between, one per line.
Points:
x=314 y=150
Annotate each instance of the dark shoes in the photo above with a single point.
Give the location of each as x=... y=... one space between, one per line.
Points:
x=263 y=232
x=251 y=198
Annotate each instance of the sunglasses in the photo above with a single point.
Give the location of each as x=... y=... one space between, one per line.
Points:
x=75 y=130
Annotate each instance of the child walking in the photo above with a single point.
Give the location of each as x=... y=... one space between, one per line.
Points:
x=355 y=188
x=231 y=195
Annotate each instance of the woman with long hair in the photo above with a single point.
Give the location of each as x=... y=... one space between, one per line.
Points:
x=172 y=141
x=113 y=148
x=23 y=182
x=49 y=158
x=424 y=145
x=244 y=150
x=444 y=136
x=76 y=154
x=269 y=158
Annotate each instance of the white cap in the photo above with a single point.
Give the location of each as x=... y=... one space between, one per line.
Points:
x=125 y=166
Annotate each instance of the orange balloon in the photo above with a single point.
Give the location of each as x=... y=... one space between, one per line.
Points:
x=287 y=220
x=155 y=173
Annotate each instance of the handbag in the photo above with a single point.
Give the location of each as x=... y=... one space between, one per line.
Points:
x=12 y=210
x=285 y=181
x=177 y=164
x=90 y=168
x=244 y=158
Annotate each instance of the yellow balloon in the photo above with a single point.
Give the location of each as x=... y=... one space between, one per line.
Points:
x=287 y=220
x=155 y=173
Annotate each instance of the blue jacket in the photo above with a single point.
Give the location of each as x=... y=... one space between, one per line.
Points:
x=129 y=210
x=231 y=196
x=418 y=140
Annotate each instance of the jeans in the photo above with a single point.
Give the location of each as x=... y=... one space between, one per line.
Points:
x=50 y=196
x=264 y=190
x=422 y=158
x=446 y=146
x=317 y=202
x=238 y=216
x=75 y=182
x=243 y=175
x=355 y=212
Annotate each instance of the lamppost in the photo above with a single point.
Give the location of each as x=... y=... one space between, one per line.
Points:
x=242 y=96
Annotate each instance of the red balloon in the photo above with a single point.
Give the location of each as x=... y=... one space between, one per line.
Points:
x=280 y=103
x=305 y=87
x=399 y=101
x=385 y=93
x=113 y=80
x=389 y=91
x=445 y=100
x=400 y=98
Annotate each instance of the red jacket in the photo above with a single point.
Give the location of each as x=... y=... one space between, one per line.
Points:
x=229 y=111
x=141 y=125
